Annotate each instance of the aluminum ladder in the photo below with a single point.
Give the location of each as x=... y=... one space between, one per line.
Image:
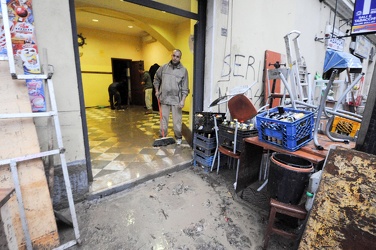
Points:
x=299 y=76
x=60 y=150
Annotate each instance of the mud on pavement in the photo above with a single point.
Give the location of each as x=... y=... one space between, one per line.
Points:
x=189 y=209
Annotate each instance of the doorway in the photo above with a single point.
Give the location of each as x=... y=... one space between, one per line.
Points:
x=134 y=94
x=120 y=73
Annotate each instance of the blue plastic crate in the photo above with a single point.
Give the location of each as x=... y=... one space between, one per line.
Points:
x=285 y=134
x=204 y=160
x=205 y=142
x=205 y=151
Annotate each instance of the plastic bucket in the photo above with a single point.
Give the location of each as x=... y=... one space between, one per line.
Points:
x=288 y=177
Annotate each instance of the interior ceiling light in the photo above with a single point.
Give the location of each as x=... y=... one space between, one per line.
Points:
x=95 y=20
x=130 y=26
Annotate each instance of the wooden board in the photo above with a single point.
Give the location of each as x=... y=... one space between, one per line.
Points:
x=253 y=148
x=343 y=214
x=272 y=57
x=19 y=138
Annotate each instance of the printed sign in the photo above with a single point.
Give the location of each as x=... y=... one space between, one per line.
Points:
x=364 y=17
x=25 y=49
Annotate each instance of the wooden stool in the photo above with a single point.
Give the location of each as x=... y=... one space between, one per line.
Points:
x=282 y=208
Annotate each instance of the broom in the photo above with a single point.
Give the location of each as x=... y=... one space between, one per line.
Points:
x=164 y=141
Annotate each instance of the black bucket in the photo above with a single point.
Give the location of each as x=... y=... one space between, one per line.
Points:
x=288 y=177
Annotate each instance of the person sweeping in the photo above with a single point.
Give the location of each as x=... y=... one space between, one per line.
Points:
x=171 y=89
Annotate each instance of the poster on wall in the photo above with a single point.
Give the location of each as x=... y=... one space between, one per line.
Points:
x=25 y=49
x=364 y=17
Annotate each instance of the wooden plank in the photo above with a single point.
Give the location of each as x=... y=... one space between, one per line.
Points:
x=250 y=158
x=309 y=151
x=19 y=138
x=343 y=214
x=272 y=57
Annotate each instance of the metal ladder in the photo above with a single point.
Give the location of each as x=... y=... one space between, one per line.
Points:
x=60 y=150
x=299 y=75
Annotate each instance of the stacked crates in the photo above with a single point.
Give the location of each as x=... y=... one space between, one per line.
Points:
x=204 y=141
x=204 y=149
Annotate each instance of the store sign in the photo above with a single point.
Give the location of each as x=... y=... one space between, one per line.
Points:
x=364 y=17
x=336 y=40
x=362 y=47
x=336 y=44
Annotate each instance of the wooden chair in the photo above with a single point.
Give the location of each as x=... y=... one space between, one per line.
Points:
x=294 y=211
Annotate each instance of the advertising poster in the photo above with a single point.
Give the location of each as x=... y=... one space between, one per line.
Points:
x=364 y=17
x=25 y=49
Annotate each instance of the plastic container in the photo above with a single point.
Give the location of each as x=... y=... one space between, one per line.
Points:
x=285 y=134
x=226 y=136
x=313 y=185
x=204 y=121
x=345 y=126
x=288 y=177
x=201 y=158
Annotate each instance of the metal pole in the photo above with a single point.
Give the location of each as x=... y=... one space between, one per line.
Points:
x=13 y=168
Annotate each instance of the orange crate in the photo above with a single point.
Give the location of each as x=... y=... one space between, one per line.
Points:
x=345 y=126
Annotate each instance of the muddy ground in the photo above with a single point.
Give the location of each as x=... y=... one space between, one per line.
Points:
x=189 y=209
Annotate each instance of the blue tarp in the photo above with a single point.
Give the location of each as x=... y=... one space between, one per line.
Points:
x=340 y=60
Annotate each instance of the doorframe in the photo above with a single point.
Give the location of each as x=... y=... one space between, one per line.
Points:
x=198 y=59
x=81 y=99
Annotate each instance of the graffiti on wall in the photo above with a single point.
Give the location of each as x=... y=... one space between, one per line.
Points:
x=242 y=70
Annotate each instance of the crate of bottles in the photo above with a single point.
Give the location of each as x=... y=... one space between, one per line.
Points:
x=344 y=126
x=226 y=135
x=285 y=127
x=202 y=159
x=204 y=140
x=204 y=121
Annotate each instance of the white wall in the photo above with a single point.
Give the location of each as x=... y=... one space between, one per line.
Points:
x=54 y=33
x=253 y=27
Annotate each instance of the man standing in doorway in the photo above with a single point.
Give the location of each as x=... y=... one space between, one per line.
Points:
x=148 y=89
x=171 y=89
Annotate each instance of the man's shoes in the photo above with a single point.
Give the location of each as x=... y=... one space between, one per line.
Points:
x=178 y=141
x=148 y=112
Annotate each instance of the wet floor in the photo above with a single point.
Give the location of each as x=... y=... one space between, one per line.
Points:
x=122 y=152
x=146 y=197
x=188 y=209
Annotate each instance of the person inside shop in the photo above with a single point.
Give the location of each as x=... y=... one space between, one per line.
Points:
x=152 y=70
x=148 y=89
x=171 y=89
x=114 y=91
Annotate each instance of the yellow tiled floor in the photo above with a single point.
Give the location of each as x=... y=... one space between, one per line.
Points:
x=121 y=147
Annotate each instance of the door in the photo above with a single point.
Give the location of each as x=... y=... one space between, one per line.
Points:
x=120 y=72
x=137 y=90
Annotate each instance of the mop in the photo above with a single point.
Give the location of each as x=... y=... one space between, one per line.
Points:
x=164 y=141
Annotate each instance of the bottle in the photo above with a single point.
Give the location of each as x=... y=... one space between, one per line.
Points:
x=313 y=185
